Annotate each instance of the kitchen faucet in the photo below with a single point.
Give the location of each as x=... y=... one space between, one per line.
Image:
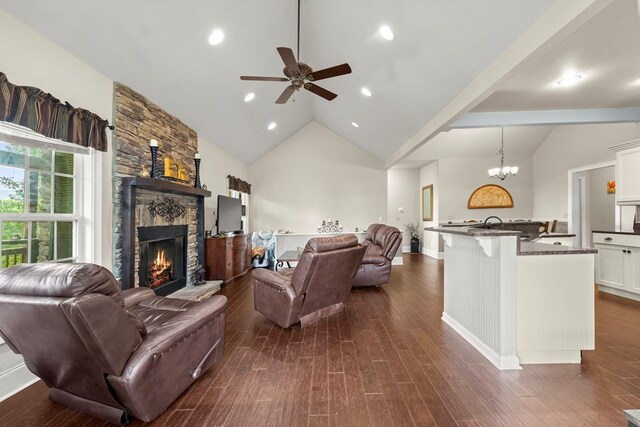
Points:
x=487 y=225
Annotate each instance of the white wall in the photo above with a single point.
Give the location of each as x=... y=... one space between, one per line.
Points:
x=32 y=60
x=569 y=147
x=29 y=59
x=216 y=165
x=601 y=206
x=459 y=177
x=314 y=175
x=402 y=185
x=429 y=175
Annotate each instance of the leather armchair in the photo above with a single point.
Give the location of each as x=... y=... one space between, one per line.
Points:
x=109 y=353
x=381 y=243
x=316 y=288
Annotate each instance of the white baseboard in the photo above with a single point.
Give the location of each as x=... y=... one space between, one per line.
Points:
x=433 y=254
x=406 y=249
x=14 y=380
x=397 y=260
x=500 y=362
x=619 y=292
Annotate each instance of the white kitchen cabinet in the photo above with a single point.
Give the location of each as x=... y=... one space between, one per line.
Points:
x=633 y=269
x=611 y=265
x=627 y=172
x=618 y=263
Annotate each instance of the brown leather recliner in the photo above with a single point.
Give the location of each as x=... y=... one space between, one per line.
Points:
x=316 y=288
x=103 y=351
x=381 y=243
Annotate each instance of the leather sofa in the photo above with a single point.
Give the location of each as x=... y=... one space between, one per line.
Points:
x=381 y=243
x=109 y=353
x=316 y=288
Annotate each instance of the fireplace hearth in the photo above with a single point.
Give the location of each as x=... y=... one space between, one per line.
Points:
x=163 y=257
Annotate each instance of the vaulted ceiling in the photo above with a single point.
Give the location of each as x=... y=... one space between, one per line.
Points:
x=605 y=51
x=160 y=49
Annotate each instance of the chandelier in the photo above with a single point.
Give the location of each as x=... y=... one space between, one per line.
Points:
x=503 y=171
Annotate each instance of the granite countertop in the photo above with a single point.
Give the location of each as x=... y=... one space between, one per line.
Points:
x=556 y=235
x=524 y=247
x=474 y=231
x=531 y=248
x=617 y=232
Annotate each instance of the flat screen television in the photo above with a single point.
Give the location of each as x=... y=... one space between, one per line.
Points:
x=229 y=214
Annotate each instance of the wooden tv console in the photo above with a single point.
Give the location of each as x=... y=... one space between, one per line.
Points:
x=227 y=258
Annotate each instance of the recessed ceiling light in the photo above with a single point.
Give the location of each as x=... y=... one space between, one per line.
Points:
x=355 y=125
x=569 y=80
x=216 y=37
x=249 y=97
x=272 y=125
x=365 y=91
x=386 y=33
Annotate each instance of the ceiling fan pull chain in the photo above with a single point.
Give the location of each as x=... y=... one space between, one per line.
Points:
x=298 y=54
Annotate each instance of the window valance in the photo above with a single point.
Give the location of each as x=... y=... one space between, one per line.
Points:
x=237 y=184
x=43 y=113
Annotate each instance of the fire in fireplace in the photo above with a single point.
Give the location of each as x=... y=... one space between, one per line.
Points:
x=161 y=268
x=163 y=258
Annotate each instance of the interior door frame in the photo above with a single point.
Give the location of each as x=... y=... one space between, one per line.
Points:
x=576 y=204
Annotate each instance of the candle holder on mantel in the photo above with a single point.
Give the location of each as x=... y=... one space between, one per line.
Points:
x=153 y=146
x=197 y=161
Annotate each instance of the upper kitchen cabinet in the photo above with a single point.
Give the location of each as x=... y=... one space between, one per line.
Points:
x=628 y=172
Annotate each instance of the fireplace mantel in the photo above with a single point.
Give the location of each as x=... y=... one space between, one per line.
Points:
x=164 y=186
x=129 y=187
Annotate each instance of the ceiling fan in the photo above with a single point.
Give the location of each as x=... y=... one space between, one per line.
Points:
x=301 y=75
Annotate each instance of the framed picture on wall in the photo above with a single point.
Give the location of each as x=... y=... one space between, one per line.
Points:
x=427 y=202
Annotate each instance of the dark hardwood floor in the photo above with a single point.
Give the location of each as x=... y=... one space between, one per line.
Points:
x=388 y=360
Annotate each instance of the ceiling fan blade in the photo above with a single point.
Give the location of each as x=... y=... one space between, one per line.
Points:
x=329 y=96
x=265 y=79
x=337 y=70
x=286 y=94
x=289 y=59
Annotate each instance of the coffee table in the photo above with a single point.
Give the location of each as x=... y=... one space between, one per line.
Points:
x=287 y=256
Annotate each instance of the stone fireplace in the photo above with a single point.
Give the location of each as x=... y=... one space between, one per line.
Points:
x=155 y=212
x=163 y=257
x=137 y=120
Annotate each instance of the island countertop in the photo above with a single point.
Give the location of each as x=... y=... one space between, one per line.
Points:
x=474 y=231
x=532 y=248
x=524 y=247
x=515 y=309
x=554 y=235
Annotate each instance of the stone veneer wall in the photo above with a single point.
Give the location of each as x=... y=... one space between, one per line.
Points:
x=137 y=120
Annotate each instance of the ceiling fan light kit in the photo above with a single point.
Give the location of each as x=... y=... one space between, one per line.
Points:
x=300 y=75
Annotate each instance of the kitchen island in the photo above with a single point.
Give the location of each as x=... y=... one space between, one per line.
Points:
x=518 y=302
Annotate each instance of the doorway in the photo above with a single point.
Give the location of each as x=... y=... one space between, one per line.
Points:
x=591 y=205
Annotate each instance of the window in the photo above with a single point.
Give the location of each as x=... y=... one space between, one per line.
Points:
x=39 y=212
x=244 y=198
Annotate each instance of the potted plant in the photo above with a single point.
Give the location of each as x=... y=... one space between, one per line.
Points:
x=414 y=232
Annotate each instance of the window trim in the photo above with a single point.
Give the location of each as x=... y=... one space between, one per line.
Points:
x=88 y=230
x=87 y=185
x=15 y=134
